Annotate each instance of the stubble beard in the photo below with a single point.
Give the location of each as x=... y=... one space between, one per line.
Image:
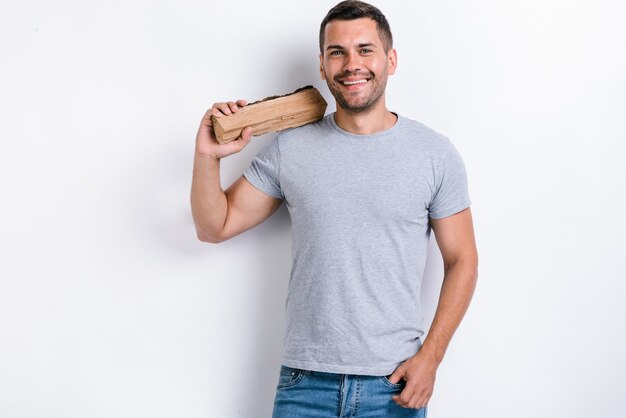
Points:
x=379 y=84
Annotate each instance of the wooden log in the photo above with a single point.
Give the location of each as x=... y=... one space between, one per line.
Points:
x=272 y=114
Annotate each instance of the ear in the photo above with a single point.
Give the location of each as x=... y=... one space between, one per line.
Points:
x=322 y=67
x=392 y=57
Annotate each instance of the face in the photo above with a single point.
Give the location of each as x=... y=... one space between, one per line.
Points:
x=355 y=65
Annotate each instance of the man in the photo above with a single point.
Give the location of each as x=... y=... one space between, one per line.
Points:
x=364 y=187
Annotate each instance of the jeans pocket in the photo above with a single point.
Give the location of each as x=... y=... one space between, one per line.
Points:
x=387 y=383
x=289 y=377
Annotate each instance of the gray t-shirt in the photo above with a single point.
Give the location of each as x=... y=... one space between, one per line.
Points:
x=360 y=208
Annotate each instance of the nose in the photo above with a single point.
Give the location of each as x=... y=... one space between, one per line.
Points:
x=352 y=63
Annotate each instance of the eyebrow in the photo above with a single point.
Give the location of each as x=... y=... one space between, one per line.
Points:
x=363 y=45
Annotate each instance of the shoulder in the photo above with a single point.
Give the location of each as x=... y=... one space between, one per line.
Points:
x=429 y=140
x=302 y=138
x=313 y=128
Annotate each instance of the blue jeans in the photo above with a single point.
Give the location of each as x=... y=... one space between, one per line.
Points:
x=306 y=393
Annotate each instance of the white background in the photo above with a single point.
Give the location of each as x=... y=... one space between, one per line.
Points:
x=110 y=307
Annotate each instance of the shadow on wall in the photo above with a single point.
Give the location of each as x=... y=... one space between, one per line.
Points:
x=168 y=174
x=267 y=247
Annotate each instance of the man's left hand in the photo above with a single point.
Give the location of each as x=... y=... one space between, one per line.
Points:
x=419 y=373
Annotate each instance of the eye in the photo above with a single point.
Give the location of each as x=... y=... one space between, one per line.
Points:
x=336 y=53
x=366 y=51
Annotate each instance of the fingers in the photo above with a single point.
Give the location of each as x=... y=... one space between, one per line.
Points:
x=409 y=397
x=222 y=109
x=396 y=376
x=239 y=143
x=412 y=397
x=226 y=108
x=218 y=110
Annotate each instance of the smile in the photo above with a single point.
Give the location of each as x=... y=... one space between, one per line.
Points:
x=352 y=83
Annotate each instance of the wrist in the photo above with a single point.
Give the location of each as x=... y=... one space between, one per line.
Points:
x=432 y=350
x=206 y=156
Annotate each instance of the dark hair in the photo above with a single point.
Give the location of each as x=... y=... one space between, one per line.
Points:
x=355 y=9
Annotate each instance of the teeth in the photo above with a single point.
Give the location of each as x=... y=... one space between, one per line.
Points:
x=352 y=83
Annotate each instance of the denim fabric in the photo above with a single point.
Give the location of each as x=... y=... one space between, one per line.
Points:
x=304 y=393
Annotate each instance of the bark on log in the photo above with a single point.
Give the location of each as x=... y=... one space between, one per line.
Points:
x=272 y=114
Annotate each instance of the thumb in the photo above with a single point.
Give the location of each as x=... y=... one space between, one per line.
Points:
x=243 y=140
x=396 y=375
x=246 y=134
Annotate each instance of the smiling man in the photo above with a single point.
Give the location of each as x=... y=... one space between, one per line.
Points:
x=364 y=188
x=356 y=66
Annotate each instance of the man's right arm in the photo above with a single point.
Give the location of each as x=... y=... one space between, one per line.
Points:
x=219 y=215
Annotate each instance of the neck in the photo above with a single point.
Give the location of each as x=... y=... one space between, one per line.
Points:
x=375 y=120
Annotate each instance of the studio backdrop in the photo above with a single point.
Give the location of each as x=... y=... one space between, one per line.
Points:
x=110 y=307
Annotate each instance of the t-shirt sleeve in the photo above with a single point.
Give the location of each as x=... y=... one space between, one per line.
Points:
x=263 y=172
x=451 y=191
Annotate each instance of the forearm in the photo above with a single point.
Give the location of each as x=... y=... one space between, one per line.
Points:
x=456 y=293
x=208 y=201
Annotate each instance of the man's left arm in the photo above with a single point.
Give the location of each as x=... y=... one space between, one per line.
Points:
x=455 y=238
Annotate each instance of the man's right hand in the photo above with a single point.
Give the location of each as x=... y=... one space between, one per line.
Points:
x=207 y=145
